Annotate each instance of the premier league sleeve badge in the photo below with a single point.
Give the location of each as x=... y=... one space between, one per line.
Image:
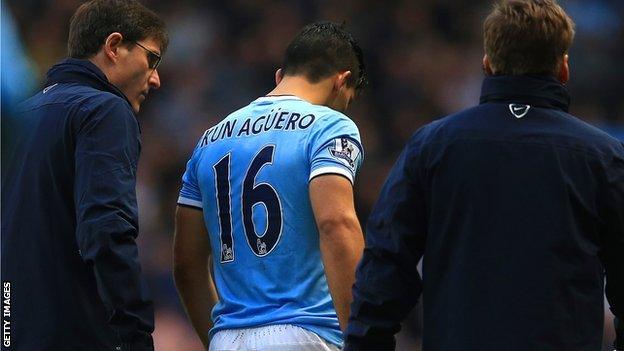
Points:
x=345 y=151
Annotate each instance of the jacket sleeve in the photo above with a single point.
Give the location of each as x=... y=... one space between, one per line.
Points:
x=387 y=281
x=613 y=242
x=107 y=149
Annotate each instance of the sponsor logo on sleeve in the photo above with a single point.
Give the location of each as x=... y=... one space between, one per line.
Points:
x=345 y=151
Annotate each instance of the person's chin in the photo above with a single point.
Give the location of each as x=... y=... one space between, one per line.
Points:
x=136 y=105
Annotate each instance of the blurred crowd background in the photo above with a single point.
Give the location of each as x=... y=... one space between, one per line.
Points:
x=423 y=57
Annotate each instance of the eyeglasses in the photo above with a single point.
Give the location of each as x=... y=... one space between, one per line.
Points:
x=153 y=59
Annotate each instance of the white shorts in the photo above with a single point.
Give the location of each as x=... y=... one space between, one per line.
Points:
x=279 y=337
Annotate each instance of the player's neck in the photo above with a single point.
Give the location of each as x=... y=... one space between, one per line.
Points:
x=314 y=93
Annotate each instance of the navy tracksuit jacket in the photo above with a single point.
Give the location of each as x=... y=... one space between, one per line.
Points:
x=69 y=218
x=517 y=208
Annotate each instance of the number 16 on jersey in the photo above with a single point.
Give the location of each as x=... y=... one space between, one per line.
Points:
x=252 y=195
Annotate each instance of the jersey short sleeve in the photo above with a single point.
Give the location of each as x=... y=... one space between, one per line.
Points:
x=190 y=194
x=335 y=147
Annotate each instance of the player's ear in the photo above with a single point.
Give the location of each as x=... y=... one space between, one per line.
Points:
x=487 y=67
x=112 y=44
x=341 y=80
x=564 y=71
x=278 y=76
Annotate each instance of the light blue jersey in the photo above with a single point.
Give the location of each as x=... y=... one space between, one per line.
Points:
x=250 y=175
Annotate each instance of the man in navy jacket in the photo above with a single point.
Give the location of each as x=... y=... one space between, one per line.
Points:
x=69 y=208
x=516 y=207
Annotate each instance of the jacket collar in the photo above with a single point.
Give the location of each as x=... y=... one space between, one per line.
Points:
x=73 y=70
x=542 y=91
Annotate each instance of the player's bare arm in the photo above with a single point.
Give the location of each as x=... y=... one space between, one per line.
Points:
x=340 y=236
x=191 y=256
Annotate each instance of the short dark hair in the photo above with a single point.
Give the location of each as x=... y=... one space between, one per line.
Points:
x=322 y=49
x=95 y=20
x=527 y=36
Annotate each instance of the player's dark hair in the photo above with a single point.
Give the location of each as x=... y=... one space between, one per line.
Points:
x=95 y=20
x=527 y=36
x=322 y=49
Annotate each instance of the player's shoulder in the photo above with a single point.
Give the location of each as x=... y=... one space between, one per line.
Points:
x=327 y=119
x=329 y=114
x=302 y=107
